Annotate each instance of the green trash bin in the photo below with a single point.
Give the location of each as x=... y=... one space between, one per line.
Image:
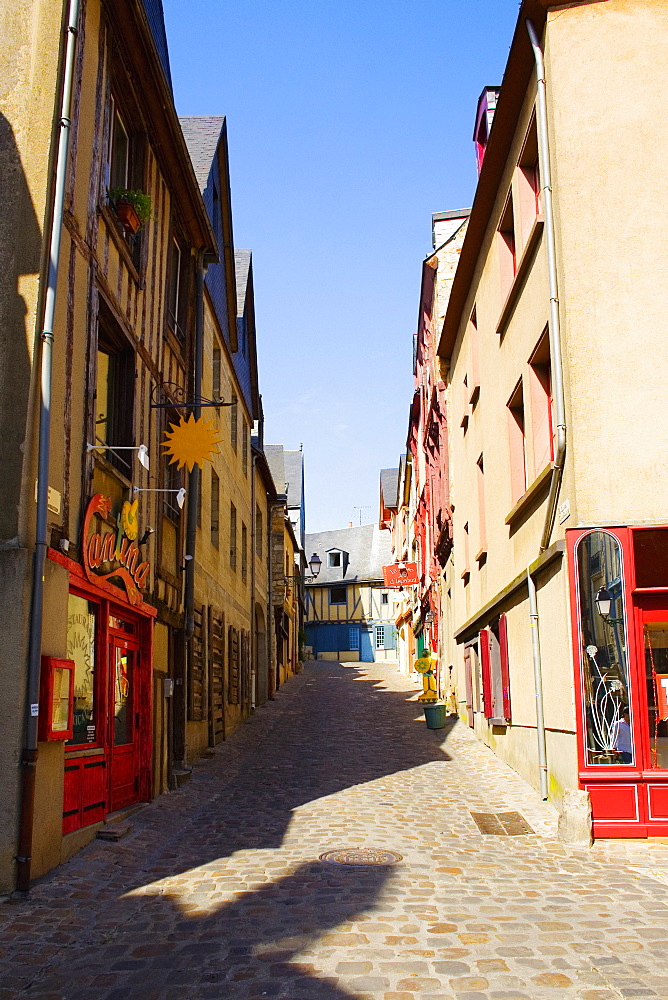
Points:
x=435 y=715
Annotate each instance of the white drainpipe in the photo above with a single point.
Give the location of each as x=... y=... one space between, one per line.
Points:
x=557 y=390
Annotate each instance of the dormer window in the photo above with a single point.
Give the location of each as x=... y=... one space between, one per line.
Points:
x=334 y=559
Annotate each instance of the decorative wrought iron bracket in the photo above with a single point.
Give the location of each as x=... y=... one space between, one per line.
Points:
x=177 y=401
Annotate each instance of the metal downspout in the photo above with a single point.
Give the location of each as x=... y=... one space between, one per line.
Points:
x=193 y=497
x=557 y=374
x=29 y=755
x=253 y=630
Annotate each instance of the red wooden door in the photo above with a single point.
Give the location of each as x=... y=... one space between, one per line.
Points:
x=123 y=724
x=652 y=726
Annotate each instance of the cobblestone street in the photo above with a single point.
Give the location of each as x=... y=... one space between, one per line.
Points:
x=218 y=891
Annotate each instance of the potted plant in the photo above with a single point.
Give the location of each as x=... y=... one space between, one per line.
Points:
x=133 y=208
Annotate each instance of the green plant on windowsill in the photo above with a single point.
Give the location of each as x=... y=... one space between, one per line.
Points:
x=133 y=208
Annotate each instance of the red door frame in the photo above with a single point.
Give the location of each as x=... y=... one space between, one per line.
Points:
x=82 y=771
x=622 y=796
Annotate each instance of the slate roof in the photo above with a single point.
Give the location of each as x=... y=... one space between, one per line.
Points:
x=274 y=455
x=202 y=133
x=293 y=462
x=389 y=486
x=368 y=549
x=242 y=263
x=156 y=22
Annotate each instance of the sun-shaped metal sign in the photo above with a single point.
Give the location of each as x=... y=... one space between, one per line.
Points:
x=191 y=442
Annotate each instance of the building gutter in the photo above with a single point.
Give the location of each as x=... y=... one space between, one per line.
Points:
x=194 y=486
x=30 y=750
x=557 y=392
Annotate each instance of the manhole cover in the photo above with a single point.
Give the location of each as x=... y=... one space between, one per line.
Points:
x=359 y=856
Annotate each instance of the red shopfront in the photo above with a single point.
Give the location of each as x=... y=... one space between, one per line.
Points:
x=619 y=604
x=108 y=759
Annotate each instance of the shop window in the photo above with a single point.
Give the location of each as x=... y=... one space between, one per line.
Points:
x=177 y=282
x=603 y=651
x=81 y=642
x=650 y=552
x=215 y=510
x=540 y=389
x=506 y=245
x=517 y=443
x=114 y=395
x=233 y=537
x=337 y=595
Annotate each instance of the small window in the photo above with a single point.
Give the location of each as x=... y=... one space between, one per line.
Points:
x=540 y=383
x=506 y=244
x=234 y=422
x=258 y=532
x=380 y=637
x=334 y=559
x=118 y=163
x=176 y=291
x=517 y=443
x=245 y=447
x=482 y=520
x=216 y=389
x=528 y=186
x=233 y=536
x=337 y=595
x=114 y=397
x=244 y=552
x=215 y=510
x=384 y=599
x=173 y=483
x=353 y=638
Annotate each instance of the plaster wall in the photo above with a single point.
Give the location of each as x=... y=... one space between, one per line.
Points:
x=612 y=218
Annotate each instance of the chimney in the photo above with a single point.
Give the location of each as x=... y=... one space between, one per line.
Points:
x=350 y=524
x=483 y=122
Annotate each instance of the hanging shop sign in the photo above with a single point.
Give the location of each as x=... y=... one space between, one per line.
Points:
x=191 y=442
x=400 y=574
x=114 y=555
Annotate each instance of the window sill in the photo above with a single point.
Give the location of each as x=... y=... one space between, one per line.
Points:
x=520 y=275
x=113 y=229
x=529 y=496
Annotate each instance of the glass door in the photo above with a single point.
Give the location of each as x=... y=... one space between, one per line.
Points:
x=654 y=640
x=123 y=722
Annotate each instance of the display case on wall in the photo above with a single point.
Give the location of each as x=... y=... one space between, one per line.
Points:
x=56 y=708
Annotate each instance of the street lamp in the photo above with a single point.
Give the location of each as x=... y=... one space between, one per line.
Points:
x=315 y=562
x=604 y=601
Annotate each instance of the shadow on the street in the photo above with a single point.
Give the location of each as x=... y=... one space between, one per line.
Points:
x=154 y=942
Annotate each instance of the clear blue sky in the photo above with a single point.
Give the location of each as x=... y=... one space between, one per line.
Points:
x=349 y=123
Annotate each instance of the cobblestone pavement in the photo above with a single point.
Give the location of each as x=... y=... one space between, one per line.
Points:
x=218 y=891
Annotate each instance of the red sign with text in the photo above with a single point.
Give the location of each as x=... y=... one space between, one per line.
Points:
x=400 y=575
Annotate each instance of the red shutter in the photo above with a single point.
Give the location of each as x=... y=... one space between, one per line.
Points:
x=485 y=665
x=468 y=672
x=505 y=668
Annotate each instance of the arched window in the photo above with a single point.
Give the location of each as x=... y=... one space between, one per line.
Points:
x=603 y=650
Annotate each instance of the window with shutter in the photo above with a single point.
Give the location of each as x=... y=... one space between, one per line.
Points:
x=505 y=667
x=485 y=664
x=468 y=676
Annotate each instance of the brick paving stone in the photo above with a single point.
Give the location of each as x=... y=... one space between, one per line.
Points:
x=218 y=891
